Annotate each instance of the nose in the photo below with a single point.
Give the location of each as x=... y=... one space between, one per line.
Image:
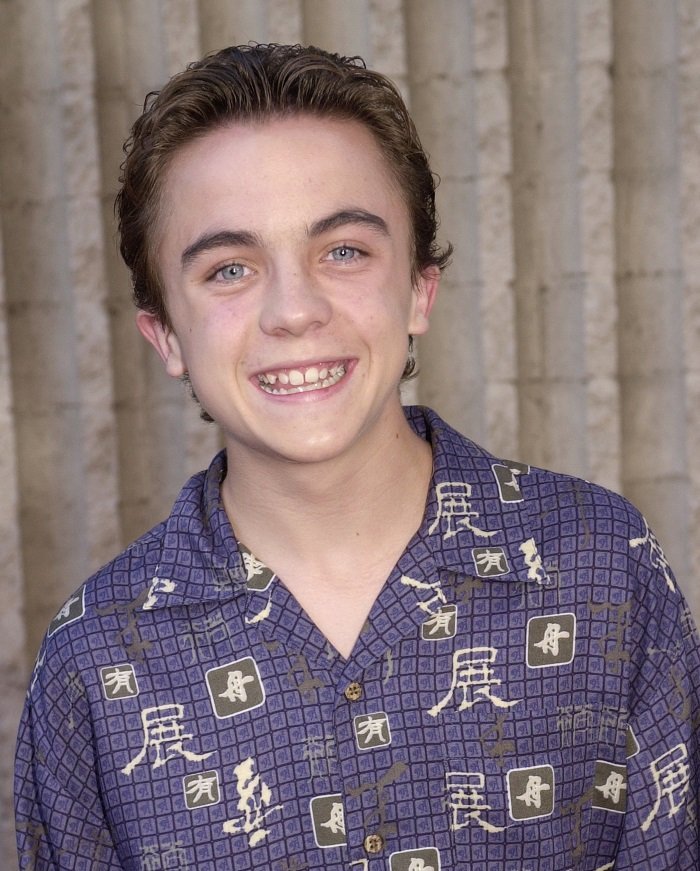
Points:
x=293 y=303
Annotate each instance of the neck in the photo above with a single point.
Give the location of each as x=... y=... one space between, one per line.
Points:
x=322 y=511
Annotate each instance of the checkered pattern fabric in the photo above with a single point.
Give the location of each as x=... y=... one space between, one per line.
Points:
x=523 y=696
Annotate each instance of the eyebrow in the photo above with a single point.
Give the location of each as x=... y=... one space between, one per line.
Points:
x=248 y=239
x=220 y=239
x=348 y=216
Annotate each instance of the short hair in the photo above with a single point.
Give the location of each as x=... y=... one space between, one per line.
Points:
x=253 y=83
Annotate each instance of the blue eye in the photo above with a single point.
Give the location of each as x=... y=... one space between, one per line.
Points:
x=231 y=272
x=344 y=254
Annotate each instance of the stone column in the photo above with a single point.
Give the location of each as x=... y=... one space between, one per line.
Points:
x=494 y=156
x=597 y=233
x=441 y=81
x=549 y=282
x=55 y=286
x=649 y=276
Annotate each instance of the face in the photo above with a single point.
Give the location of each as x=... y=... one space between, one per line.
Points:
x=285 y=253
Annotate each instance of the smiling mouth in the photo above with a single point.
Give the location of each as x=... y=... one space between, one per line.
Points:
x=285 y=381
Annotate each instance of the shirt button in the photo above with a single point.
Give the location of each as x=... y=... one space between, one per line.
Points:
x=374 y=843
x=353 y=691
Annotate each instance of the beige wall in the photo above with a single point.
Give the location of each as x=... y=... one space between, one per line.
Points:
x=567 y=136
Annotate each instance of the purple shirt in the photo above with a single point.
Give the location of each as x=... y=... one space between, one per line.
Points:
x=524 y=695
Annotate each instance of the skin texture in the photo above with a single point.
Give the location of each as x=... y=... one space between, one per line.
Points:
x=285 y=246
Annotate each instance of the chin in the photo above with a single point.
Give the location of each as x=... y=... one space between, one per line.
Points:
x=310 y=454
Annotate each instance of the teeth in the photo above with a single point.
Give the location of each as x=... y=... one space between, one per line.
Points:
x=301 y=382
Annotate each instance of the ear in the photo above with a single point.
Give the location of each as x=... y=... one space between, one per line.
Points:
x=164 y=341
x=425 y=289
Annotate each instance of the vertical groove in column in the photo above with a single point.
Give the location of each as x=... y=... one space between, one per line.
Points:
x=13 y=665
x=689 y=142
x=649 y=277
x=388 y=40
x=549 y=282
x=338 y=25
x=388 y=37
x=597 y=223
x=440 y=61
x=495 y=223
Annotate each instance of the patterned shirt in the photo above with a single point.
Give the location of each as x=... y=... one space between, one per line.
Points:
x=523 y=695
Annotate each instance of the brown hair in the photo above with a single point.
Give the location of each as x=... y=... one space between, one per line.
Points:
x=252 y=83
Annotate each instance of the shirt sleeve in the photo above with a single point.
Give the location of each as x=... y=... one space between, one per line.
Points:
x=59 y=812
x=661 y=826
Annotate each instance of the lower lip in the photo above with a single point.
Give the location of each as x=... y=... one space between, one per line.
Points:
x=311 y=395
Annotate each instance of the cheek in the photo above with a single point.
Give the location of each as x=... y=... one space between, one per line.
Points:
x=389 y=300
x=216 y=338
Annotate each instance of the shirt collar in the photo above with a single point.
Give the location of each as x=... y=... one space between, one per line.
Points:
x=476 y=523
x=477 y=518
x=200 y=559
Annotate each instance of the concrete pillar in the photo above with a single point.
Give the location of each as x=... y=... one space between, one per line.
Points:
x=597 y=234
x=59 y=340
x=440 y=61
x=549 y=281
x=649 y=272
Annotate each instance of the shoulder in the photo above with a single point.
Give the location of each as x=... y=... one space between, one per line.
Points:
x=552 y=497
x=577 y=525
x=612 y=554
x=118 y=582
x=105 y=608
x=563 y=498
x=83 y=625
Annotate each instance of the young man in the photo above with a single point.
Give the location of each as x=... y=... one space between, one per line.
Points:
x=359 y=641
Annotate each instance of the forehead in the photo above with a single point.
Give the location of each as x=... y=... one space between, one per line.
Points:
x=260 y=172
